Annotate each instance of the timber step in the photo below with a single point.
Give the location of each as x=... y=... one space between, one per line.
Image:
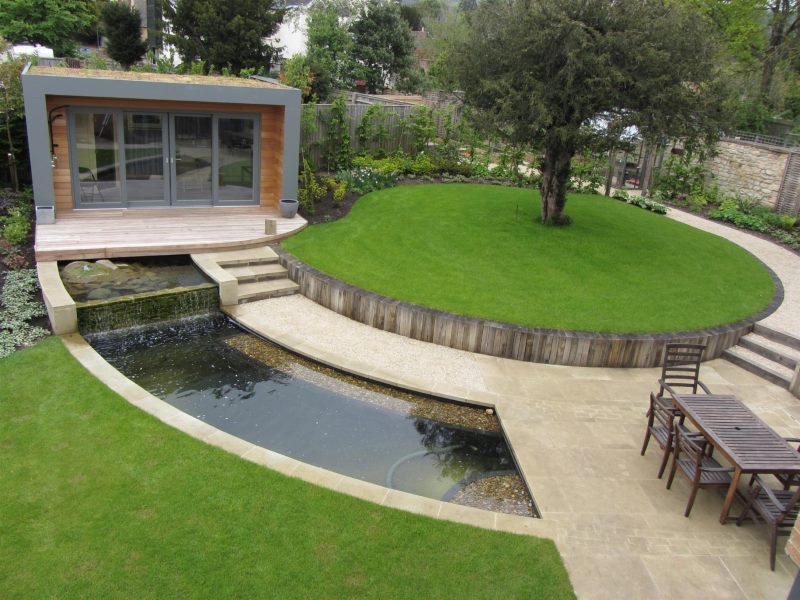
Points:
x=257 y=272
x=768 y=348
x=776 y=335
x=760 y=365
x=258 y=290
x=249 y=256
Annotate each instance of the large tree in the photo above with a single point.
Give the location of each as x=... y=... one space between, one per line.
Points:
x=123 y=30
x=546 y=71
x=383 y=46
x=51 y=23
x=328 y=48
x=228 y=34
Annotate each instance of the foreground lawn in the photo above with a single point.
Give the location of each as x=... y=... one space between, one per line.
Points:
x=99 y=499
x=475 y=250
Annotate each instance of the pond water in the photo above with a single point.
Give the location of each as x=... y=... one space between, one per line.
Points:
x=97 y=281
x=212 y=370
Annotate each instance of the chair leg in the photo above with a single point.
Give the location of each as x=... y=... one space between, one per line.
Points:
x=646 y=440
x=664 y=461
x=672 y=470
x=692 y=496
x=773 y=543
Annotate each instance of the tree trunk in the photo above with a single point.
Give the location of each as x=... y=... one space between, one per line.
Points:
x=610 y=173
x=555 y=174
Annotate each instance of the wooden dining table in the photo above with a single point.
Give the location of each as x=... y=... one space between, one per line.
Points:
x=743 y=439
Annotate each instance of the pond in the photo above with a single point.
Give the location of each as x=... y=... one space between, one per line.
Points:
x=255 y=390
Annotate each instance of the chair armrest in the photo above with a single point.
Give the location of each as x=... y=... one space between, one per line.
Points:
x=667 y=387
x=704 y=386
x=791 y=439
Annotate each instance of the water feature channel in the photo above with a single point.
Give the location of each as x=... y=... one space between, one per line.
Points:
x=212 y=370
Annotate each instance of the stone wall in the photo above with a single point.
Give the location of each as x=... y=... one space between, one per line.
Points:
x=750 y=169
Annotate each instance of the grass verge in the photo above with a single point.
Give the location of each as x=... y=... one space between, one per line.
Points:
x=477 y=250
x=102 y=500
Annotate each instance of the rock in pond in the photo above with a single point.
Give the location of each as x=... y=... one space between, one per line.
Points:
x=106 y=263
x=81 y=271
x=100 y=294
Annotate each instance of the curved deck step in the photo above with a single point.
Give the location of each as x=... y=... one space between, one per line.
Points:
x=759 y=365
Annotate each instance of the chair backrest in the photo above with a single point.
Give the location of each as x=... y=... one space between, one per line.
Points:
x=686 y=445
x=681 y=366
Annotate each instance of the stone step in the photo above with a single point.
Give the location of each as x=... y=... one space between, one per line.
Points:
x=257 y=272
x=258 y=290
x=759 y=365
x=777 y=335
x=248 y=256
x=775 y=351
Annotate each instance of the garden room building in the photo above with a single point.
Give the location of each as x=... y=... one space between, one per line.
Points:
x=126 y=142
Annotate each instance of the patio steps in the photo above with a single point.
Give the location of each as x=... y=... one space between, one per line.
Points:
x=246 y=275
x=768 y=353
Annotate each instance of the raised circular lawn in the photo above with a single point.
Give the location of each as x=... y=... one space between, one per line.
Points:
x=477 y=250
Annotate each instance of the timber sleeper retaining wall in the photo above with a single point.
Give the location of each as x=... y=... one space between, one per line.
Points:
x=549 y=346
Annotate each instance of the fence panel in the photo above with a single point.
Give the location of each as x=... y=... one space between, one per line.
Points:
x=398 y=135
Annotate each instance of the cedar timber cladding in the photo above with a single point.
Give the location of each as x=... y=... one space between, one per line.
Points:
x=271 y=160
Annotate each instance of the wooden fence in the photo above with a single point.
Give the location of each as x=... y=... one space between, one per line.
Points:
x=314 y=138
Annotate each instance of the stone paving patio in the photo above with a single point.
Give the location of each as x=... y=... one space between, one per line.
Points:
x=576 y=433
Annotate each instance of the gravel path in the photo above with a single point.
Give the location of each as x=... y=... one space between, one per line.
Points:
x=785 y=264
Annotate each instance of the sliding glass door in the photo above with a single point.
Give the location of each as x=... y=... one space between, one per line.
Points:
x=146 y=159
x=140 y=159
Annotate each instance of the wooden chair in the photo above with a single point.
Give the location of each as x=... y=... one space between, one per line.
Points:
x=661 y=423
x=789 y=480
x=681 y=370
x=779 y=508
x=699 y=468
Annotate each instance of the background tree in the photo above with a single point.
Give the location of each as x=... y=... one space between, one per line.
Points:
x=122 y=27
x=542 y=71
x=328 y=47
x=12 y=124
x=225 y=34
x=383 y=46
x=51 y=23
x=297 y=73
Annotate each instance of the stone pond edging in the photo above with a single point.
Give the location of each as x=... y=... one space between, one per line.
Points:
x=87 y=356
x=505 y=340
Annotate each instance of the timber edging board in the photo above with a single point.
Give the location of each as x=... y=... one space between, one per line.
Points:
x=549 y=346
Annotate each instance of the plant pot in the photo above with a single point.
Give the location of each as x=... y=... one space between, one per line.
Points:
x=289 y=208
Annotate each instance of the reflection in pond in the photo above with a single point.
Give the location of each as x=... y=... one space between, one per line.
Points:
x=210 y=369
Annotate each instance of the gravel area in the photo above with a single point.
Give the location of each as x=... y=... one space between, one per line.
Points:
x=413 y=405
x=785 y=264
x=500 y=493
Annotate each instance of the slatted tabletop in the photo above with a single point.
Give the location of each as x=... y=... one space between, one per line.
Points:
x=749 y=444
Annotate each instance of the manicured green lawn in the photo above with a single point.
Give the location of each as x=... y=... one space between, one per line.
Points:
x=101 y=500
x=476 y=250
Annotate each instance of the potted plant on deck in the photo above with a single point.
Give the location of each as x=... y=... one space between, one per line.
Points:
x=288 y=207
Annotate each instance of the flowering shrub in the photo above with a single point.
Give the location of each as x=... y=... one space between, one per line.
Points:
x=363 y=180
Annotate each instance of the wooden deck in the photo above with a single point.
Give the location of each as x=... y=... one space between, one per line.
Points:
x=82 y=234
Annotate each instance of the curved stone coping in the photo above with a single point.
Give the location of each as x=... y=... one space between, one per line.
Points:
x=540 y=345
x=168 y=414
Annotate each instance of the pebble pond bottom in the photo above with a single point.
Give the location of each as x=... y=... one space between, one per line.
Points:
x=212 y=370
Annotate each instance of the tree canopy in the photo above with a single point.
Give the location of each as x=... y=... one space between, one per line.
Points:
x=546 y=71
x=383 y=46
x=225 y=34
x=51 y=23
x=328 y=46
x=123 y=30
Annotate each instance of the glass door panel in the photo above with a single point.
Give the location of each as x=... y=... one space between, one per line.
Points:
x=235 y=170
x=98 y=180
x=192 y=155
x=146 y=180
